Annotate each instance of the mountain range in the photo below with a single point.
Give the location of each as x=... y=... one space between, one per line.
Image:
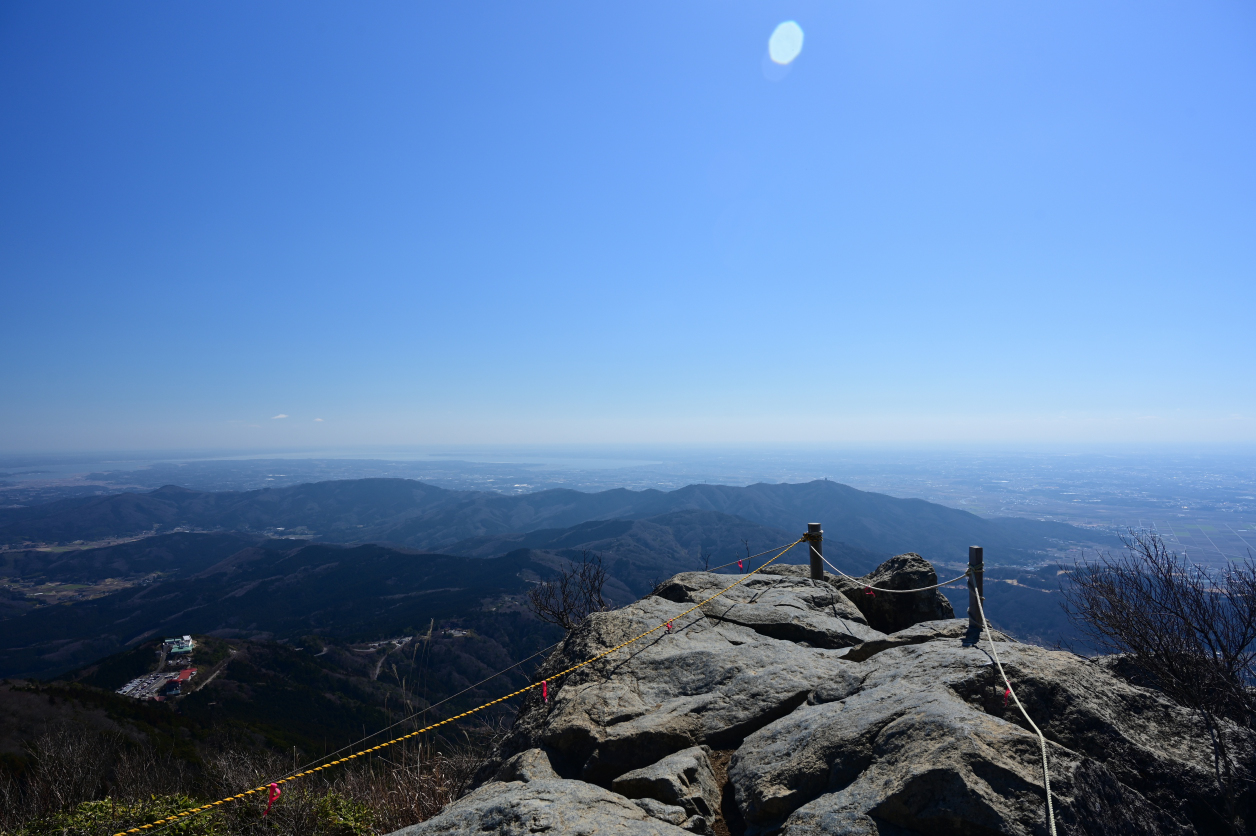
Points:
x=380 y=557
x=417 y=515
x=306 y=581
x=237 y=585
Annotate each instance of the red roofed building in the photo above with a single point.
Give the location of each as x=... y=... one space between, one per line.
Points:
x=174 y=687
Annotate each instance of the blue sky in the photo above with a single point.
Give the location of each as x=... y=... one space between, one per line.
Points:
x=619 y=222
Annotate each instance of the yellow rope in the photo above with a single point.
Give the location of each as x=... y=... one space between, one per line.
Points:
x=237 y=797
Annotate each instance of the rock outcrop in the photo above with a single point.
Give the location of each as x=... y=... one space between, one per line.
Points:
x=683 y=781
x=572 y=808
x=779 y=708
x=892 y=612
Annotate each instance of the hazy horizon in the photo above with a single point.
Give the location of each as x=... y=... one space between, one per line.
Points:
x=1202 y=498
x=507 y=452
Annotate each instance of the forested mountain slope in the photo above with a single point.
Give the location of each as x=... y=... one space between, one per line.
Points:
x=274 y=590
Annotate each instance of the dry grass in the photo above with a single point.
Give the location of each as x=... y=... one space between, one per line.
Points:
x=79 y=781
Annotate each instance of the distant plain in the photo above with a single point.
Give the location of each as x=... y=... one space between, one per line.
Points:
x=1202 y=500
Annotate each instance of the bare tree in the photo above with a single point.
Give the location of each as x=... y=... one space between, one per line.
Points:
x=70 y=764
x=576 y=592
x=1192 y=631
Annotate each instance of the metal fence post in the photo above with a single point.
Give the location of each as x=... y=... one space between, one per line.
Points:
x=815 y=539
x=975 y=587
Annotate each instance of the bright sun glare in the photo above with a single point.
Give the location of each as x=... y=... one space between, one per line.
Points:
x=785 y=43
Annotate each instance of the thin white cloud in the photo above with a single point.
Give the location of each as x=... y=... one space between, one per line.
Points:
x=280 y=415
x=320 y=420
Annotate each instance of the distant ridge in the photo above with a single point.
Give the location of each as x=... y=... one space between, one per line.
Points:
x=414 y=514
x=639 y=552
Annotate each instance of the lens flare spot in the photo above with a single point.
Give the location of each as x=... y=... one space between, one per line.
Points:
x=785 y=43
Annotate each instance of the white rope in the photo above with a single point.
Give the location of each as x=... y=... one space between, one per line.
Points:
x=879 y=589
x=431 y=707
x=163 y=828
x=740 y=559
x=1042 y=741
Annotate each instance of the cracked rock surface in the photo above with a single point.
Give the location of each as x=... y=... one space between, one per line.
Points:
x=779 y=709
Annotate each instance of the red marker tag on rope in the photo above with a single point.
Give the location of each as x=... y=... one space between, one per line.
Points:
x=274 y=793
x=740 y=568
x=544 y=690
x=868 y=591
x=1006 y=694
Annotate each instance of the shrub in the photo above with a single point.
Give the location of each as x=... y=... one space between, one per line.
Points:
x=106 y=817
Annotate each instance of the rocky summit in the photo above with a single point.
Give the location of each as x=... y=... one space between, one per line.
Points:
x=793 y=706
